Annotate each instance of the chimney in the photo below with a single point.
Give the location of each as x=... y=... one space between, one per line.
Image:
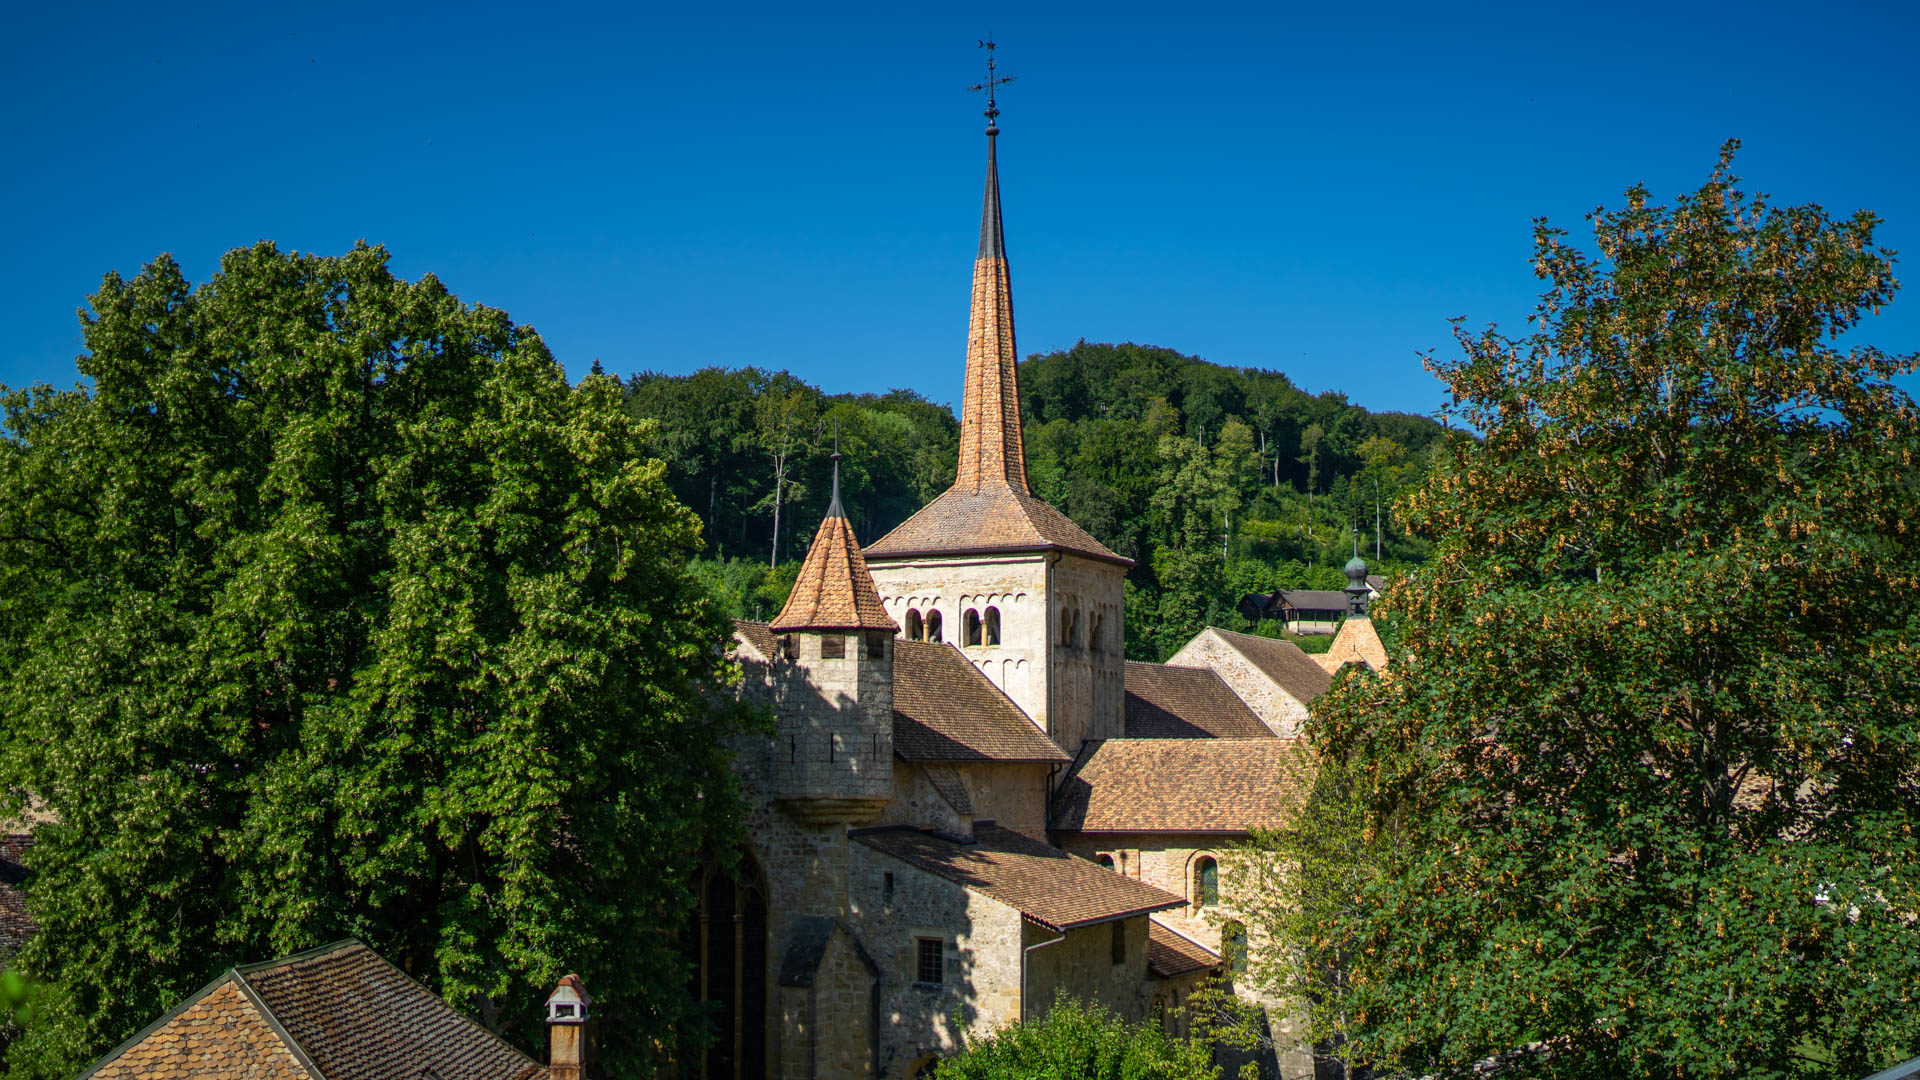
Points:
x=566 y=1030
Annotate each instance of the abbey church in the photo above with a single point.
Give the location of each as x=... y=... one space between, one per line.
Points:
x=973 y=803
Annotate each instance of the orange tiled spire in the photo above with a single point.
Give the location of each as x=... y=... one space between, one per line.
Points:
x=834 y=590
x=991 y=453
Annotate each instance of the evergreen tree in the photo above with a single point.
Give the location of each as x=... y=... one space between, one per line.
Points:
x=331 y=609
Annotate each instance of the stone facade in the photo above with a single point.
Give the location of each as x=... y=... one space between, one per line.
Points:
x=1280 y=710
x=1060 y=650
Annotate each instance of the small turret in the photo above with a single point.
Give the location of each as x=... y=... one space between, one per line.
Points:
x=833 y=756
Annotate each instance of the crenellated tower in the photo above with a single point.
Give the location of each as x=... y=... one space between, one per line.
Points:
x=1028 y=596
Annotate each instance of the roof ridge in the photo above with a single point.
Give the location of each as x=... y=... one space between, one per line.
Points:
x=273 y=1022
x=165 y=1018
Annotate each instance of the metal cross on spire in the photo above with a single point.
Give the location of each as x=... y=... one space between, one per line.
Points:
x=993 y=81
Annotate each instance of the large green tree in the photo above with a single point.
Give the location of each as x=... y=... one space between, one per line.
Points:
x=1648 y=752
x=331 y=609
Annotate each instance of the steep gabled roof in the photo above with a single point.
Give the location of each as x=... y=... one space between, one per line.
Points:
x=1170 y=953
x=1185 y=703
x=1229 y=786
x=760 y=636
x=992 y=518
x=1049 y=886
x=1314 y=599
x=1356 y=643
x=335 y=1013
x=1282 y=661
x=945 y=710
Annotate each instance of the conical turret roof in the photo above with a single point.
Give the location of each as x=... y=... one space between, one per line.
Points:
x=834 y=590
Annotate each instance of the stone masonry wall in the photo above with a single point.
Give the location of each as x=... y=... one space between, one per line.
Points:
x=1082 y=964
x=1087 y=682
x=1279 y=710
x=1167 y=860
x=980 y=939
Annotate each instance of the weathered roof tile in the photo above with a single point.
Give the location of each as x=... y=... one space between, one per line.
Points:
x=1053 y=888
x=1185 y=703
x=1181 y=785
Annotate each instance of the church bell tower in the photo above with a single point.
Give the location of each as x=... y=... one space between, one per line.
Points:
x=1028 y=596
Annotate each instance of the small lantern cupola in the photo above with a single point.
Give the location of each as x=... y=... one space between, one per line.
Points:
x=1357 y=589
x=566 y=1014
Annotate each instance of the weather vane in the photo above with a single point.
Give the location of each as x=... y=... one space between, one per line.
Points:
x=993 y=81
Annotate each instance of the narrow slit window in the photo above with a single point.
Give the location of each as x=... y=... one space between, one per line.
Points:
x=1119 y=941
x=1206 y=874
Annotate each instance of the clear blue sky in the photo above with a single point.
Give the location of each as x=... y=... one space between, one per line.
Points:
x=1313 y=190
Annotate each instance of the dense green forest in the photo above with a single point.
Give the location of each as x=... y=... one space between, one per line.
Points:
x=1216 y=480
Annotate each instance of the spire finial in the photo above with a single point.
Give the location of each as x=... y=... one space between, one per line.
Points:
x=833 y=508
x=993 y=81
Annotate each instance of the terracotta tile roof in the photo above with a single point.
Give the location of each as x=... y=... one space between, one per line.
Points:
x=1049 y=886
x=1170 y=953
x=834 y=590
x=15 y=925
x=1282 y=661
x=944 y=709
x=1356 y=643
x=989 y=519
x=1185 y=703
x=219 y=1035
x=1181 y=785
x=759 y=635
x=335 y=1013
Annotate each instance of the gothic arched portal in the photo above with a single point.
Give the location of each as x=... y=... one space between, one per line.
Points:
x=731 y=943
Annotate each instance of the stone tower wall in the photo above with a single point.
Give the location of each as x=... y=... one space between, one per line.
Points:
x=1032 y=592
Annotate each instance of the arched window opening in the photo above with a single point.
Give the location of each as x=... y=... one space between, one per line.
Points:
x=973 y=628
x=992 y=628
x=1073 y=627
x=730 y=970
x=933 y=627
x=1206 y=881
x=1066 y=627
x=1104 y=859
x=1093 y=632
x=1233 y=942
x=916 y=629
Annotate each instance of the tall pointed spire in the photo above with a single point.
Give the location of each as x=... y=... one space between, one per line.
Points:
x=991 y=452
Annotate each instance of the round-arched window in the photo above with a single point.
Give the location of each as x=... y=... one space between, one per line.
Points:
x=933 y=626
x=992 y=628
x=1206 y=882
x=915 y=628
x=972 y=628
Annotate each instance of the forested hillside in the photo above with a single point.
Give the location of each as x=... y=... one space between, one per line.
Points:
x=1215 y=480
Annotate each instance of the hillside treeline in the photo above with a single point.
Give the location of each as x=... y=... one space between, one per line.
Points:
x=1215 y=480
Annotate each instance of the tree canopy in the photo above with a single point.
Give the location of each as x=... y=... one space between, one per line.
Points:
x=1078 y=1041
x=330 y=609
x=1649 y=755
x=1217 y=481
